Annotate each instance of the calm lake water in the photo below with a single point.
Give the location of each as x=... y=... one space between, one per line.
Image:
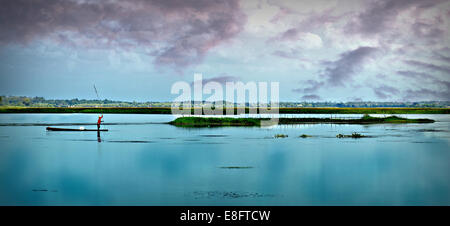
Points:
x=142 y=162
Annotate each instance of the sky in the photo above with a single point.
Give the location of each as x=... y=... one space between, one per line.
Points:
x=346 y=50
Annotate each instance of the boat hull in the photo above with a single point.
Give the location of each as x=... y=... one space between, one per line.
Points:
x=69 y=129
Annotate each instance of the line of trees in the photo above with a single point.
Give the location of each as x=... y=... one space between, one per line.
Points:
x=22 y=101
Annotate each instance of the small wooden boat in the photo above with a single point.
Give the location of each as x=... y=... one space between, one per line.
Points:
x=69 y=129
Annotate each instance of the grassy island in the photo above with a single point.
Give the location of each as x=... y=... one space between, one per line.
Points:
x=366 y=119
x=281 y=135
x=210 y=122
x=354 y=135
x=213 y=122
x=304 y=136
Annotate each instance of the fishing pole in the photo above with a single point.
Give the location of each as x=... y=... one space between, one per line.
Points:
x=101 y=110
x=96 y=92
x=98 y=97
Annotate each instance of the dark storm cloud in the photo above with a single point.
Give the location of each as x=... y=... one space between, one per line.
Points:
x=385 y=91
x=311 y=97
x=429 y=66
x=338 y=72
x=175 y=32
x=381 y=13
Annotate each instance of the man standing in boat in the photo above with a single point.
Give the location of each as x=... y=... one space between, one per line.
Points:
x=99 y=122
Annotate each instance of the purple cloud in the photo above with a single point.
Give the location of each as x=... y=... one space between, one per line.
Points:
x=312 y=86
x=356 y=99
x=441 y=92
x=176 y=32
x=290 y=34
x=310 y=22
x=385 y=91
x=281 y=14
x=338 y=72
x=441 y=57
x=380 y=14
x=427 y=94
x=311 y=97
x=414 y=74
x=219 y=79
x=428 y=66
x=427 y=30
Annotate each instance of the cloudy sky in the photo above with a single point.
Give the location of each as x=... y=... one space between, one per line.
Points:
x=374 y=50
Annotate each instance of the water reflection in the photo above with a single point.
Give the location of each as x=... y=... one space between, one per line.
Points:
x=158 y=164
x=99 y=139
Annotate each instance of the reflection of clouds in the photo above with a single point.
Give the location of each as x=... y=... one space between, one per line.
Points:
x=360 y=174
x=12 y=184
x=320 y=170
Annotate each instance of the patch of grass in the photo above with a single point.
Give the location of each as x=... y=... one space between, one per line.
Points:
x=211 y=122
x=104 y=110
x=305 y=136
x=375 y=110
x=366 y=119
x=392 y=119
x=354 y=135
x=281 y=135
x=357 y=135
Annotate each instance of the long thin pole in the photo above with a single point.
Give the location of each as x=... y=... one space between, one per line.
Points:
x=97 y=95
x=96 y=92
x=98 y=133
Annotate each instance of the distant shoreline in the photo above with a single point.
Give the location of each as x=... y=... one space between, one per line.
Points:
x=167 y=110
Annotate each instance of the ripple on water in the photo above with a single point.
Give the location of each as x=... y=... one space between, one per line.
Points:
x=130 y=141
x=227 y=195
x=213 y=135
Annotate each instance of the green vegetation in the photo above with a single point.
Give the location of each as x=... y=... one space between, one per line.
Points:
x=167 y=110
x=366 y=119
x=347 y=110
x=113 y=110
x=211 y=122
x=393 y=119
x=367 y=104
x=354 y=135
x=326 y=107
x=281 y=135
x=20 y=104
x=20 y=101
x=305 y=136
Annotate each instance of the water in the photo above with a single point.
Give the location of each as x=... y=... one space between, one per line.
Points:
x=159 y=164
